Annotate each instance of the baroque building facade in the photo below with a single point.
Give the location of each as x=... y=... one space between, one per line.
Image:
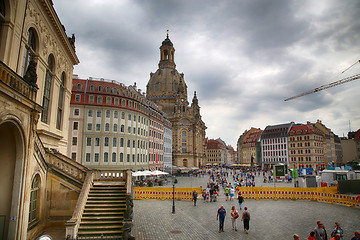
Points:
x=36 y=65
x=167 y=88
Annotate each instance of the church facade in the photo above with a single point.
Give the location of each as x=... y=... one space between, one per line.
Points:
x=167 y=88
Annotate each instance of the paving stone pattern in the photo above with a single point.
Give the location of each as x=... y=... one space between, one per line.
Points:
x=270 y=219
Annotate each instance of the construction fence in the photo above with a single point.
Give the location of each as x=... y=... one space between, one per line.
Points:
x=323 y=194
x=164 y=193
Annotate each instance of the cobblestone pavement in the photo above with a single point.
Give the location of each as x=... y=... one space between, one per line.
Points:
x=270 y=219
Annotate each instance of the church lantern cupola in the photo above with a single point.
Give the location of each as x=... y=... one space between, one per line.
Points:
x=167 y=51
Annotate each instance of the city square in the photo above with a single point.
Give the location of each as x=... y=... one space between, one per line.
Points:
x=270 y=219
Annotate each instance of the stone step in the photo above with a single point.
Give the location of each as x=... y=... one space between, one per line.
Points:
x=106 y=227
x=88 y=210
x=98 y=233
x=102 y=221
x=102 y=214
x=106 y=194
x=101 y=218
x=107 y=206
x=106 y=198
x=108 y=188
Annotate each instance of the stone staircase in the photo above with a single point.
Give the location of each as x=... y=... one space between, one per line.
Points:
x=104 y=211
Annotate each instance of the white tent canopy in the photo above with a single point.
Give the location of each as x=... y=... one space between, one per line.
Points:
x=141 y=173
x=157 y=172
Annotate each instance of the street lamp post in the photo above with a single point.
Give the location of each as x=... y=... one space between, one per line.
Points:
x=173 y=207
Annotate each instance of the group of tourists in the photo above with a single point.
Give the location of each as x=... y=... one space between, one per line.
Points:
x=320 y=233
x=245 y=218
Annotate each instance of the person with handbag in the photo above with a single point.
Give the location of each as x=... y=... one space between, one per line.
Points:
x=234 y=216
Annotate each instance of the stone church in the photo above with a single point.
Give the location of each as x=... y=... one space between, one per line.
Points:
x=167 y=88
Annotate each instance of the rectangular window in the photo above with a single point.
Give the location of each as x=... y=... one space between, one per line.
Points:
x=74 y=141
x=99 y=100
x=96 y=157
x=87 y=157
x=106 y=157
x=122 y=115
x=76 y=112
x=113 y=157
x=97 y=142
x=73 y=156
x=114 y=142
x=116 y=101
x=115 y=128
x=98 y=126
x=88 y=141
x=121 y=142
x=128 y=157
x=89 y=126
x=98 y=113
x=90 y=113
x=75 y=125
x=116 y=114
x=108 y=100
x=121 y=157
x=77 y=98
x=107 y=113
x=91 y=99
x=128 y=143
x=106 y=143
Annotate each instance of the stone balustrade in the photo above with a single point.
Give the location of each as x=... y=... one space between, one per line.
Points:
x=17 y=83
x=72 y=225
x=110 y=175
x=67 y=166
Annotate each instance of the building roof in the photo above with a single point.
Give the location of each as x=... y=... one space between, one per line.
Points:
x=276 y=131
x=303 y=129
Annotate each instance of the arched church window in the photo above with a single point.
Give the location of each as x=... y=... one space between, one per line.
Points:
x=47 y=88
x=34 y=199
x=61 y=101
x=183 y=136
x=30 y=49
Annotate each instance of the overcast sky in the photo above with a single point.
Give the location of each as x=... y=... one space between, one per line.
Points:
x=243 y=58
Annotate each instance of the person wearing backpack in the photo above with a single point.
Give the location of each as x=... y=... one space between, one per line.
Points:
x=240 y=199
x=234 y=216
x=246 y=219
x=195 y=195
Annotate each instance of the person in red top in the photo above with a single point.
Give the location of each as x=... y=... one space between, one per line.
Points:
x=312 y=236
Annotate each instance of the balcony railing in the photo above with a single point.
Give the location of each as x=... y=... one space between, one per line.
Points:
x=17 y=83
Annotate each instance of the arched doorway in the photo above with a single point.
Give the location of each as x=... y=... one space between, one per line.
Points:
x=11 y=155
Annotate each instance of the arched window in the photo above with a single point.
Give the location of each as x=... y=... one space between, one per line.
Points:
x=183 y=136
x=34 y=199
x=174 y=86
x=47 y=88
x=60 y=102
x=183 y=140
x=30 y=49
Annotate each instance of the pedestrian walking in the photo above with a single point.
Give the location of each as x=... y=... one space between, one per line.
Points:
x=312 y=236
x=221 y=217
x=246 y=219
x=234 y=216
x=338 y=230
x=240 y=200
x=336 y=237
x=227 y=192
x=232 y=193
x=195 y=195
x=320 y=231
